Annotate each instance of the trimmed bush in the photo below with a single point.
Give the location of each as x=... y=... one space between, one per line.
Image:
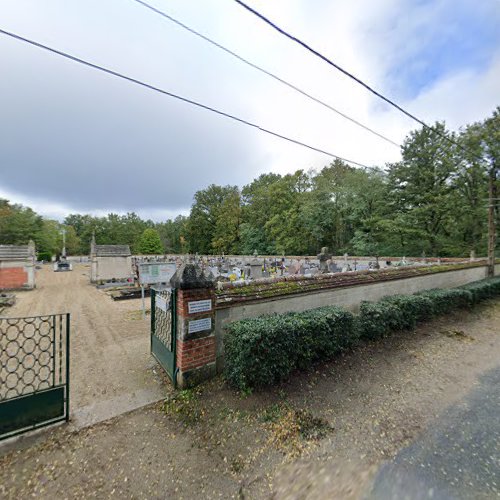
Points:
x=483 y=289
x=414 y=309
x=323 y=332
x=445 y=300
x=265 y=350
x=377 y=319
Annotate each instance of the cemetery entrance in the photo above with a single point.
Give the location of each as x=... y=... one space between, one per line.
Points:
x=163 y=329
x=34 y=372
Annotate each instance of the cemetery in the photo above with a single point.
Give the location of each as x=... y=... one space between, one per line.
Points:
x=202 y=355
x=233 y=273
x=228 y=289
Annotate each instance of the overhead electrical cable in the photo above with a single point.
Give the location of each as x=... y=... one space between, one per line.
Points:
x=266 y=72
x=175 y=96
x=347 y=73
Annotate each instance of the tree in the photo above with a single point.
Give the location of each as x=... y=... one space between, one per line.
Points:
x=173 y=234
x=225 y=238
x=469 y=227
x=207 y=224
x=48 y=240
x=72 y=240
x=18 y=224
x=420 y=187
x=150 y=243
x=257 y=209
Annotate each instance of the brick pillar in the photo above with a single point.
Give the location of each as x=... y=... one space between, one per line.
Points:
x=195 y=325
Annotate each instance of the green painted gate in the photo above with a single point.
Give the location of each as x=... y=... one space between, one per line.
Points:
x=34 y=372
x=163 y=329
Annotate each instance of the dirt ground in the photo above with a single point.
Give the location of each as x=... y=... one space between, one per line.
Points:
x=323 y=434
x=111 y=368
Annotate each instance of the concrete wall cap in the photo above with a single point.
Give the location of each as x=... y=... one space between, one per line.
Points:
x=191 y=276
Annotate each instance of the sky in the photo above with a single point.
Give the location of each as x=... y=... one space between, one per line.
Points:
x=73 y=140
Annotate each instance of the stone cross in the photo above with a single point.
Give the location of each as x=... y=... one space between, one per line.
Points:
x=323 y=257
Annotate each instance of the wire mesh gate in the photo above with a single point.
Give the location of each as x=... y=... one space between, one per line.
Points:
x=34 y=372
x=163 y=329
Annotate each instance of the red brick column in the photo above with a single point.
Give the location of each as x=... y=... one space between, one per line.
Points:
x=195 y=325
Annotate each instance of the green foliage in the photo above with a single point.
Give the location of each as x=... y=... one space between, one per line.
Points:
x=45 y=256
x=173 y=234
x=50 y=239
x=265 y=350
x=403 y=312
x=185 y=406
x=414 y=308
x=150 y=243
x=113 y=229
x=378 y=319
x=481 y=290
x=214 y=220
x=431 y=201
x=420 y=188
x=445 y=300
x=18 y=224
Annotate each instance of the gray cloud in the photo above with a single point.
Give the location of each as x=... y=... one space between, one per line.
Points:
x=72 y=139
x=90 y=142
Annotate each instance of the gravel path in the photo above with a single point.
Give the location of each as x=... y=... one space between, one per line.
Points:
x=111 y=368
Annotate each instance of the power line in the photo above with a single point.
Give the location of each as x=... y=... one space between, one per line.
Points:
x=345 y=72
x=266 y=72
x=175 y=96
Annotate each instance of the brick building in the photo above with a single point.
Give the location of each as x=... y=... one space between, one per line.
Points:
x=17 y=266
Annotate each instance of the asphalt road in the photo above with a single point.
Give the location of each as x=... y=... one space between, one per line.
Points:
x=456 y=458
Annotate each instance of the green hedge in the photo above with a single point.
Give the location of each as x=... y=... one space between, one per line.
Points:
x=446 y=300
x=265 y=350
x=377 y=319
x=483 y=289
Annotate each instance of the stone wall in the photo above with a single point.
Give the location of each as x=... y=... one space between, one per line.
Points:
x=108 y=268
x=348 y=297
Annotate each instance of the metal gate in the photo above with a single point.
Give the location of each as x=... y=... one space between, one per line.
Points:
x=163 y=329
x=34 y=372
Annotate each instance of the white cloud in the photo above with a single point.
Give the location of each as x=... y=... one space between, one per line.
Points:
x=152 y=154
x=464 y=97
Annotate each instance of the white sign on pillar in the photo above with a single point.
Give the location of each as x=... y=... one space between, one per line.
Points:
x=199 y=306
x=199 y=325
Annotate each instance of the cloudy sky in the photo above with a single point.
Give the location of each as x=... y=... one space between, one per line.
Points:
x=75 y=140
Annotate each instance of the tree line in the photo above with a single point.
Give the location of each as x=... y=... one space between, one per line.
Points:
x=432 y=202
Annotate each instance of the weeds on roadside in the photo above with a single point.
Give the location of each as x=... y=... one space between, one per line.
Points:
x=184 y=405
x=292 y=430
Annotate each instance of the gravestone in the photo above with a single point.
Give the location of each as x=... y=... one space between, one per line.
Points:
x=294 y=268
x=333 y=268
x=305 y=267
x=255 y=268
x=247 y=270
